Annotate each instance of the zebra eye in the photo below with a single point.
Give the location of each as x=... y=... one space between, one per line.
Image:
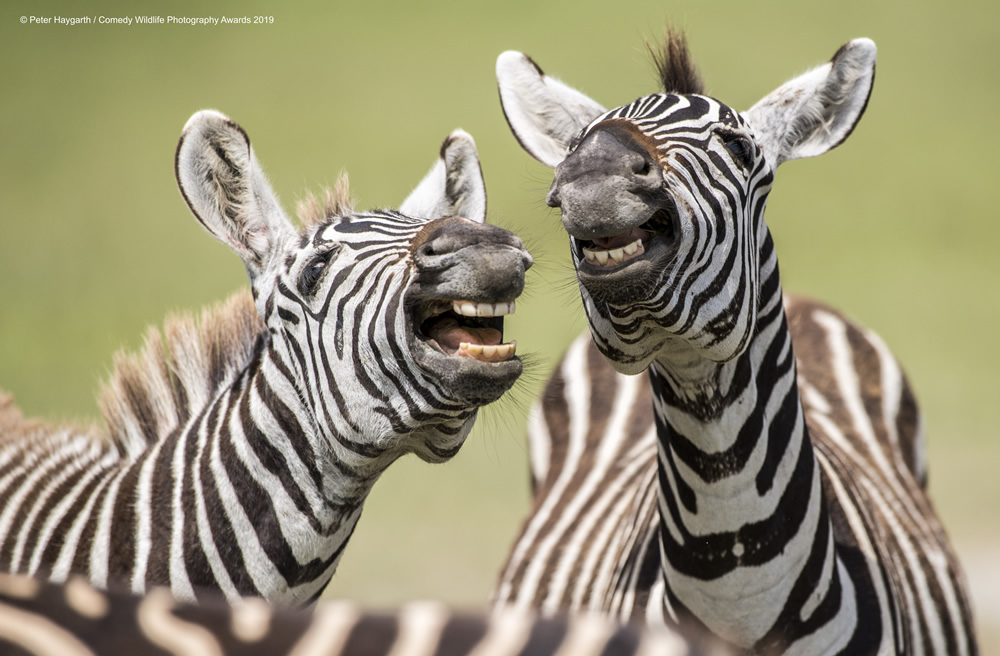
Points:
x=313 y=272
x=741 y=150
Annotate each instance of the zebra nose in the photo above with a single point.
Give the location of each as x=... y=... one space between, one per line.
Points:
x=608 y=153
x=475 y=261
x=604 y=187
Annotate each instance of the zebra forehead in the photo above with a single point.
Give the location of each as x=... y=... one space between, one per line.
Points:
x=385 y=225
x=650 y=122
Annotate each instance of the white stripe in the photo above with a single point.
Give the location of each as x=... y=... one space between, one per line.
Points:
x=100 y=548
x=539 y=443
x=420 y=625
x=40 y=467
x=268 y=580
x=180 y=584
x=608 y=453
x=577 y=396
x=859 y=529
x=592 y=574
x=94 y=469
x=143 y=518
x=61 y=568
x=205 y=537
x=328 y=631
x=40 y=495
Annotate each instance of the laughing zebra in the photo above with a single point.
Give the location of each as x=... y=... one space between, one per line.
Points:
x=240 y=448
x=775 y=496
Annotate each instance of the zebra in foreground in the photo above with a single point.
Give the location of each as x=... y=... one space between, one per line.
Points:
x=776 y=497
x=241 y=447
x=76 y=619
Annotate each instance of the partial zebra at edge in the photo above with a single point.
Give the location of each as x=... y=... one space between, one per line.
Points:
x=76 y=619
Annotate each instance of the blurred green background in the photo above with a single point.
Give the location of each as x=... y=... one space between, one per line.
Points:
x=898 y=227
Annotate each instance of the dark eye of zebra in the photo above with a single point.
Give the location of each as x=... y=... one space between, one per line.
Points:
x=740 y=149
x=313 y=272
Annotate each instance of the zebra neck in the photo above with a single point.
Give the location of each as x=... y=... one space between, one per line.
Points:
x=744 y=532
x=330 y=463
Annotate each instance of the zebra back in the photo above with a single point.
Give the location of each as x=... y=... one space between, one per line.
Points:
x=76 y=619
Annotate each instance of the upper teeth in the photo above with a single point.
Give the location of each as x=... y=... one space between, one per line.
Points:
x=473 y=309
x=611 y=257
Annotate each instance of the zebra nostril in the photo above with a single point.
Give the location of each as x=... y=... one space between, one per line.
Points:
x=641 y=166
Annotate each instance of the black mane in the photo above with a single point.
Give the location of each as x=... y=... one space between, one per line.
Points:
x=674 y=65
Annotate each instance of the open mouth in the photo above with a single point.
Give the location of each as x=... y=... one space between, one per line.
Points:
x=467 y=329
x=616 y=250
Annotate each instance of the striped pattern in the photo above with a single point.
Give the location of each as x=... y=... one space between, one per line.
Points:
x=770 y=486
x=595 y=482
x=76 y=619
x=241 y=446
x=592 y=523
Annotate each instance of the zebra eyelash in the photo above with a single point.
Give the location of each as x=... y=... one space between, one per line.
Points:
x=739 y=146
x=312 y=272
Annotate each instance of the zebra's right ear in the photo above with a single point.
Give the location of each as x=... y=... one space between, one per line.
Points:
x=454 y=186
x=544 y=114
x=227 y=192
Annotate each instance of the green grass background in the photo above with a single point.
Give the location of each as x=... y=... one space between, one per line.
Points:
x=898 y=227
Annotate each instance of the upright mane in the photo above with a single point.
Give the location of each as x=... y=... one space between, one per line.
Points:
x=177 y=371
x=336 y=202
x=675 y=66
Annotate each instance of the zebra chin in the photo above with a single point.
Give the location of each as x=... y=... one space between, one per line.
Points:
x=467 y=380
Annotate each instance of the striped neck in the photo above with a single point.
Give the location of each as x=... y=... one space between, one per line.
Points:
x=742 y=511
x=301 y=496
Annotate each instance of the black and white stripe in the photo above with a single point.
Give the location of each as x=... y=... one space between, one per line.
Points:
x=773 y=489
x=241 y=446
x=76 y=619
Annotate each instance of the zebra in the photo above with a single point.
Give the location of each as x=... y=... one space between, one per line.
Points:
x=764 y=477
x=76 y=619
x=241 y=446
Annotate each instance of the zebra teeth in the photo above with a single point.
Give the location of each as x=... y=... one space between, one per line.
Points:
x=473 y=309
x=614 y=256
x=488 y=352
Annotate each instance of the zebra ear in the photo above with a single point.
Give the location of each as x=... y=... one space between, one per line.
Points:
x=454 y=186
x=222 y=183
x=818 y=110
x=544 y=114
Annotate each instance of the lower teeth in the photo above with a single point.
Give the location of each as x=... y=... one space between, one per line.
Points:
x=488 y=352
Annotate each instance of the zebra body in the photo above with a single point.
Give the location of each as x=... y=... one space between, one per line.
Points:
x=77 y=619
x=241 y=447
x=770 y=481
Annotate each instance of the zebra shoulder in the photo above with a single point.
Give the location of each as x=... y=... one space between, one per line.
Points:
x=848 y=376
x=587 y=411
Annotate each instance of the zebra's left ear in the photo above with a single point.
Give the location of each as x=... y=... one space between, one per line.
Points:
x=454 y=186
x=816 y=111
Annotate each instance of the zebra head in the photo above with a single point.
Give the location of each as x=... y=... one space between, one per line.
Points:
x=387 y=324
x=663 y=198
